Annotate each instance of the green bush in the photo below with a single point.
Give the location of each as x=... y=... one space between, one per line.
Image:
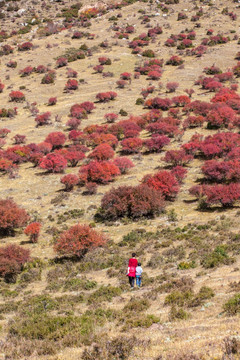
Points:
x=232 y=306
x=178 y=314
x=104 y=293
x=217 y=257
x=178 y=298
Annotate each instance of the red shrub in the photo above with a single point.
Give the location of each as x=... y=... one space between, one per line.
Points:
x=78 y=112
x=77 y=240
x=12 y=259
x=17 y=96
x=123 y=163
x=11 y=216
x=71 y=73
x=33 y=230
x=45 y=147
x=49 y=77
x=102 y=152
x=6 y=166
x=71 y=84
x=154 y=75
x=43 y=119
x=181 y=100
x=53 y=163
x=1 y=87
x=73 y=157
x=56 y=139
x=41 y=69
x=98 y=68
x=95 y=139
x=4 y=132
x=156 y=143
x=177 y=157
x=193 y=121
x=69 y=180
x=125 y=128
x=62 y=61
x=73 y=123
x=125 y=76
x=98 y=172
x=25 y=46
x=172 y=86
x=77 y=136
x=121 y=84
x=164 y=182
x=162 y=127
x=107 y=96
x=158 y=103
x=104 y=60
x=77 y=35
x=91 y=188
x=221 y=116
x=179 y=172
x=111 y=117
x=52 y=101
x=19 y=139
x=132 y=202
x=208 y=195
x=131 y=145
x=175 y=61
x=88 y=106
x=222 y=170
x=26 y=71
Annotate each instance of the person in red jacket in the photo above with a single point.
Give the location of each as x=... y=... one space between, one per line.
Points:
x=132 y=264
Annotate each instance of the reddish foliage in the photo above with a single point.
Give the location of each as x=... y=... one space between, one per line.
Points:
x=17 y=96
x=25 y=46
x=33 y=230
x=6 y=166
x=154 y=75
x=172 y=86
x=98 y=172
x=77 y=240
x=193 y=121
x=125 y=76
x=73 y=123
x=131 y=145
x=95 y=139
x=177 y=157
x=69 y=180
x=156 y=143
x=164 y=182
x=125 y=128
x=181 y=100
x=71 y=84
x=1 y=87
x=71 y=73
x=91 y=188
x=121 y=84
x=123 y=163
x=19 y=139
x=52 y=101
x=43 y=119
x=179 y=172
x=41 y=69
x=222 y=170
x=53 y=163
x=76 y=136
x=208 y=195
x=4 y=132
x=133 y=202
x=158 y=103
x=72 y=156
x=11 y=216
x=174 y=60
x=106 y=96
x=221 y=116
x=88 y=106
x=78 y=112
x=104 y=60
x=102 y=152
x=62 y=61
x=111 y=117
x=12 y=259
x=26 y=71
x=49 y=77
x=98 y=68
x=56 y=139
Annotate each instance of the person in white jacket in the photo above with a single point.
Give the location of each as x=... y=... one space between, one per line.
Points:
x=139 y=271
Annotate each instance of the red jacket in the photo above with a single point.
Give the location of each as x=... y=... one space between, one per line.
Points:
x=133 y=262
x=132 y=271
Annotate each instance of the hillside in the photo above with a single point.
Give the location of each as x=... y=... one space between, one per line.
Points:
x=119 y=123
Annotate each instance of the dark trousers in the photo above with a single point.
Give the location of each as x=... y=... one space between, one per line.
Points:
x=131 y=281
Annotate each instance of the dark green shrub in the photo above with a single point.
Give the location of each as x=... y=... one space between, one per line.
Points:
x=104 y=293
x=232 y=306
x=178 y=314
